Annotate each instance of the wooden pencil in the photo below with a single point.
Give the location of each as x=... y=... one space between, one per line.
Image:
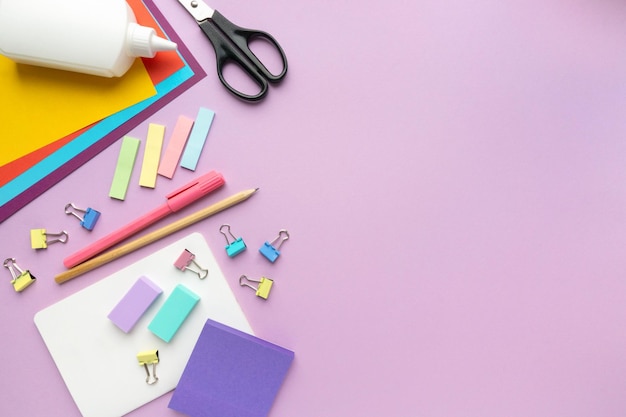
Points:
x=153 y=236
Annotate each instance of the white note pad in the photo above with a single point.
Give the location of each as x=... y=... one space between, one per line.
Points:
x=98 y=361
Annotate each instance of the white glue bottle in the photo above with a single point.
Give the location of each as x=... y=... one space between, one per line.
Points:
x=99 y=37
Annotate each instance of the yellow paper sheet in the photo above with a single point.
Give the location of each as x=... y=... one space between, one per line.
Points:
x=40 y=105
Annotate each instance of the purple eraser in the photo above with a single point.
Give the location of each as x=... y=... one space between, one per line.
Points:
x=136 y=301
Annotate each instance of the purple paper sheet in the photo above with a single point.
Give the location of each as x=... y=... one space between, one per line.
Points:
x=64 y=170
x=230 y=374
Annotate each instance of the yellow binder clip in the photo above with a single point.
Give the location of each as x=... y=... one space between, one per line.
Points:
x=21 y=279
x=262 y=290
x=149 y=357
x=39 y=238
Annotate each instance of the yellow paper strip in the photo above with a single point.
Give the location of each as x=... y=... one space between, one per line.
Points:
x=152 y=155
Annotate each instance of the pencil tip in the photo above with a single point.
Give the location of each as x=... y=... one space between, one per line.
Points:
x=256 y=189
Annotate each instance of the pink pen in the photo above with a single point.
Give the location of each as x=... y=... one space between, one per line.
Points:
x=176 y=200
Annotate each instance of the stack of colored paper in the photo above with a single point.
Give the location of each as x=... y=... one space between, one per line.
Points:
x=59 y=120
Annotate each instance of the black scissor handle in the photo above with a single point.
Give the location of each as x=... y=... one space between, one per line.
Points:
x=231 y=45
x=225 y=52
x=242 y=37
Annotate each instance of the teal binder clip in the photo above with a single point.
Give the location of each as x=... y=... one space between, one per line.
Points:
x=88 y=220
x=236 y=246
x=270 y=251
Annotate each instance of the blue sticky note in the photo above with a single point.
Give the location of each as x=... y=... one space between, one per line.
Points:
x=173 y=312
x=197 y=139
x=230 y=374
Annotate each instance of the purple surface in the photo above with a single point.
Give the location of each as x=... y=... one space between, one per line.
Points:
x=231 y=374
x=134 y=304
x=453 y=177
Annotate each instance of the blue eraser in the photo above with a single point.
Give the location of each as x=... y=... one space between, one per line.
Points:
x=173 y=312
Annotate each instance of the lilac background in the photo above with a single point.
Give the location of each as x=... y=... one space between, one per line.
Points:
x=453 y=176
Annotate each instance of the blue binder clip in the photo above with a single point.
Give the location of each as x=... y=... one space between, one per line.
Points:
x=237 y=246
x=270 y=251
x=88 y=221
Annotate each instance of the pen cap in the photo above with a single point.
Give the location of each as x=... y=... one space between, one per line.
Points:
x=199 y=187
x=88 y=36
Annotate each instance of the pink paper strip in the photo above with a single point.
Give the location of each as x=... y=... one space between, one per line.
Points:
x=175 y=147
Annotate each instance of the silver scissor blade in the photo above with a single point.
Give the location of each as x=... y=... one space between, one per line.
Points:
x=198 y=9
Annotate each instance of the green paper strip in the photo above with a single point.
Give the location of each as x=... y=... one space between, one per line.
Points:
x=124 y=167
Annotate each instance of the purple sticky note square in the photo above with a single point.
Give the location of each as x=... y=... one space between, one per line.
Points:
x=134 y=304
x=230 y=374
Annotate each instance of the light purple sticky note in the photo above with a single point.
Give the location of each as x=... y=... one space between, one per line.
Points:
x=134 y=304
x=230 y=374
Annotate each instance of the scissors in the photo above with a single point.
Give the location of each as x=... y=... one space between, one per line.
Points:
x=231 y=44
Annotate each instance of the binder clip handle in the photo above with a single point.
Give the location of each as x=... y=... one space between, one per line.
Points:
x=154 y=376
x=62 y=237
x=245 y=284
x=146 y=358
x=10 y=264
x=282 y=232
x=227 y=227
x=70 y=208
